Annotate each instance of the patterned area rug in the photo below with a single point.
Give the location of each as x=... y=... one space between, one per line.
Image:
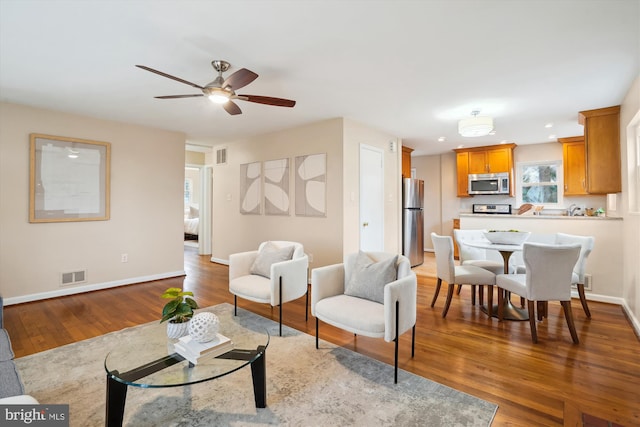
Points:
x=331 y=386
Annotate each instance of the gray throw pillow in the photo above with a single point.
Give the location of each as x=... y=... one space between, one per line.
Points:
x=368 y=278
x=270 y=254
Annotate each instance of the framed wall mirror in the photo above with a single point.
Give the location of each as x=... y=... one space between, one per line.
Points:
x=69 y=179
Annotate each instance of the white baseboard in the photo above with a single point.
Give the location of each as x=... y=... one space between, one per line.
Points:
x=89 y=288
x=220 y=261
x=633 y=319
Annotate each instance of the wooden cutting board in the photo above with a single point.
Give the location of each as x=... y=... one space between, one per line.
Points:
x=525 y=208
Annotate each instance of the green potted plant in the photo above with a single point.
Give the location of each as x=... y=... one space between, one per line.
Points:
x=178 y=311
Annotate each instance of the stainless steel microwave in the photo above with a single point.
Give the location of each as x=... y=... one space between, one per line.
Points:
x=489 y=183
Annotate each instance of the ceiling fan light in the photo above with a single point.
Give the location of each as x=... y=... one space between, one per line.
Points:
x=218 y=98
x=475 y=126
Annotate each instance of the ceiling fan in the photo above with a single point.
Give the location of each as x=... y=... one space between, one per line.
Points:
x=222 y=91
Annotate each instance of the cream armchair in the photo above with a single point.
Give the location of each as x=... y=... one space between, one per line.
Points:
x=386 y=312
x=276 y=273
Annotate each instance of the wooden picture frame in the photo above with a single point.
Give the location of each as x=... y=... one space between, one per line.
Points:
x=69 y=179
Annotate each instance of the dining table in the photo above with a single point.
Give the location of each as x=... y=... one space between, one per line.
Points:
x=511 y=312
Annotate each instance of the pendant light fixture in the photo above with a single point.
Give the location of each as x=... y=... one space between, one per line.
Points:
x=476 y=125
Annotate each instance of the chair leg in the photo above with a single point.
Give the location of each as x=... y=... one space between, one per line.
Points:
x=568 y=314
x=583 y=299
x=397 y=340
x=473 y=294
x=481 y=295
x=306 y=307
x=413 y=341
x=489 y=300
x=280 y=303
x=541 y=310
x=532 y=321
x=449 y=297
x=459 y=290
x=316 y=333
x=235 y=305
x=500 y=305
x=435 y=295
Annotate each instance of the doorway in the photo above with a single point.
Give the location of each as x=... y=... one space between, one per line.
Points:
x=371 y=199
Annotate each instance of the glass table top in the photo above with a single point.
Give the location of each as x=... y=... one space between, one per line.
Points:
x=145 y=356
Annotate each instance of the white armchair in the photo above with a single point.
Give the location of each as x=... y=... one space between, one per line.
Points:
x=276 y=273
x=386 y=311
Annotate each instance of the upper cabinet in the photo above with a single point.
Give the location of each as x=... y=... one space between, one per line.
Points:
x=591 y=163
x=602 y=149
x=406 y=161
x=574 y=166
x=489 y=159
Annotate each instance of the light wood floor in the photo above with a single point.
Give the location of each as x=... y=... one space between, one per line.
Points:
x=545 y=384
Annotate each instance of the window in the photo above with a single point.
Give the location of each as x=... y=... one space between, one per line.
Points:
x=539 y=183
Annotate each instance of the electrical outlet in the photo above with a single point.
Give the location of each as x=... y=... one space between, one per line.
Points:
x=124 y=258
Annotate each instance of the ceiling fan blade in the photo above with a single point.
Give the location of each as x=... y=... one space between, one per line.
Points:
x=160 y=73
x=177 y=96
x=232 y=108
x=239 y=79
x=268 y=100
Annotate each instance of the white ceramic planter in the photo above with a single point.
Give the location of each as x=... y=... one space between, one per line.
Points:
x=177 y=330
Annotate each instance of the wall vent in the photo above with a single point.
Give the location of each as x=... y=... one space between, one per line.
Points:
x=588 y=279
x=221 y=156
x=73 y=277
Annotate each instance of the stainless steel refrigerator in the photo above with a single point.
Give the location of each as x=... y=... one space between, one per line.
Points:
x=413 y=220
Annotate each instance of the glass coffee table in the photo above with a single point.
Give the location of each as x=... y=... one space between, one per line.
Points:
x=146 y=359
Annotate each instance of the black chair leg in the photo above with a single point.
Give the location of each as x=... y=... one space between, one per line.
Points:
x=413 y=341
x=316 y=333
x=397 y=340
x=280 y=303
x=235 y=305
x=306 y=307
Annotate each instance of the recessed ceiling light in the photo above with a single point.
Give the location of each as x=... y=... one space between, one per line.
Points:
x=549 y=125
x=504 y=141
x=461 y=146
x=552 y=137
x=441 y=139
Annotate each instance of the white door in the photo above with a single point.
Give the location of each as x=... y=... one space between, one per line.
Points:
x=371 y=199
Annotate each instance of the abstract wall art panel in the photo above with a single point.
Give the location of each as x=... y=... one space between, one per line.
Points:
x=311 y=180
x=276 y=187
x=250 y=188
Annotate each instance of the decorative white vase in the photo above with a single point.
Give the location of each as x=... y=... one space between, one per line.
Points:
x=177 y=330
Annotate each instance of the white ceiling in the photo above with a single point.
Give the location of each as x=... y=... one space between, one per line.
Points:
x=408 y=68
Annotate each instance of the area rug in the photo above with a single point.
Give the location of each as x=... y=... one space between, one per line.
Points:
x=331 y=386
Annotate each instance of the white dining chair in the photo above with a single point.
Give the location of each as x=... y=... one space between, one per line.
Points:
x=548 y=278
x=458 y=274
x=578 y=278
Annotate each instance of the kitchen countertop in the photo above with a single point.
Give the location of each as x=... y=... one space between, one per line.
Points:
x=562 y=217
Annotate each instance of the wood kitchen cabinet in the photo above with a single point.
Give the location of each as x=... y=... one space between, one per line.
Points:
x=488 y=159
x=406 y=161
x=462 y=165
x=602 y=149
x=574 y=166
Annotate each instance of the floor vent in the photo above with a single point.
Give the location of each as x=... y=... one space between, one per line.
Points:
x=73 y=277
x=221 y=156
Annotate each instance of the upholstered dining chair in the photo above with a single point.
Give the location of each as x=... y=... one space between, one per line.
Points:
x=371 y=293
x=578 y=277
x=276 y=273
x=447 y=271
x=475 y=256
x=548 y=278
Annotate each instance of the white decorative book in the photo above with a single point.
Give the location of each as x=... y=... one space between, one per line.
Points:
x=193 y=350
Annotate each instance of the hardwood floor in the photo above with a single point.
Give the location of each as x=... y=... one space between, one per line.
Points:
x=544 y=384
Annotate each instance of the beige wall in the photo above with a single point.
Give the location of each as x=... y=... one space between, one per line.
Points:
x=355 y=135
x=326 y=239
x=146 y=209
x=629 y=118
x=234 y=232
